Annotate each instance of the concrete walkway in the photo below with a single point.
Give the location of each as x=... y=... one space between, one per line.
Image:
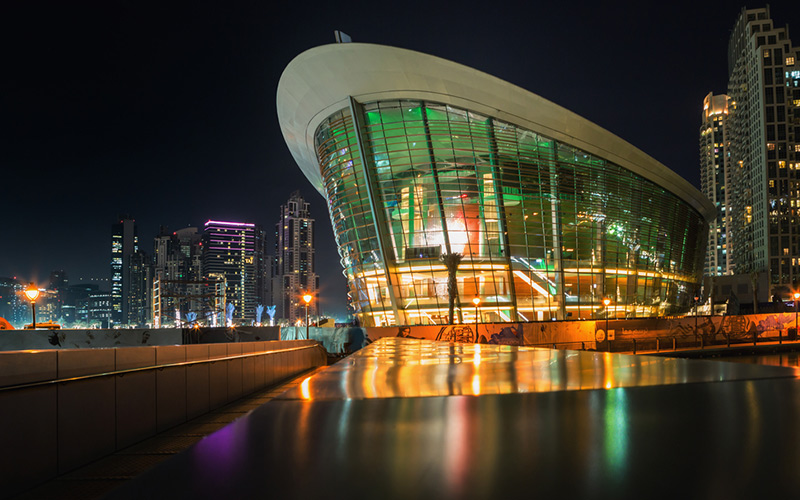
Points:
x=100 y=477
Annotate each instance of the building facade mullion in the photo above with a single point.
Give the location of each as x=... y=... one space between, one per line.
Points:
x=376 y=208
x=501 y=214
x=435 y=177
x=439 y=199
x=555 y=230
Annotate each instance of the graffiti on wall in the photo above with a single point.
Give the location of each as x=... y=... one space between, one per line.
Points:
x=549 y=332
x=707 y=328
x=501 y=334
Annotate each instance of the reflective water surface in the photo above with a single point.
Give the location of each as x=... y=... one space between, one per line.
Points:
x=401 y=367
x=418 y=419
x=780 y=359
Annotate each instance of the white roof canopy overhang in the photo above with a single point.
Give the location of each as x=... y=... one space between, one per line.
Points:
x=319 y=81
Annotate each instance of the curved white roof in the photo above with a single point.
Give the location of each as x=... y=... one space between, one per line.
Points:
x=318 y=82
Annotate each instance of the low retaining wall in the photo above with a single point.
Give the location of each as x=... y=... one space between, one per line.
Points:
x=611 y=335
x=691 y=331
x=342 y=340
x=588 y=334
x=51 y=425
x=17 y=340
x=573 y=334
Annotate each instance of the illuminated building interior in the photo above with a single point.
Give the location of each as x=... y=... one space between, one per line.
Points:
x=545 y=229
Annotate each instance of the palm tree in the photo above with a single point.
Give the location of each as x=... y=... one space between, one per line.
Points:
x=754 y=282
x=451 y=262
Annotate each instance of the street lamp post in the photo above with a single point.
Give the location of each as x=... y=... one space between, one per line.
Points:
x=796 y=300
x=606 y=302
x=307 y=299
x=476 y=301
x=696 y=302
x=32 y=293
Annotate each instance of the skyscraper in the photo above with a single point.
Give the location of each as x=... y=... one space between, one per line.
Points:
x=235 y=251
x=764 y=137
x=141 y=276
x=178 y=282
x=59 y=282
x=124 y=243
x=295 y=274
x=714 y=181
x=13 y=306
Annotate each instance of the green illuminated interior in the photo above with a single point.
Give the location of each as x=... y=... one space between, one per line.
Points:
x=546 y=230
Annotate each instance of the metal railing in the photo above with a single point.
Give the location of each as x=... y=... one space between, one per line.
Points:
x=660 y=343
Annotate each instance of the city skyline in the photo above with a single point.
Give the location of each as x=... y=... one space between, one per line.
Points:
x=168 y=114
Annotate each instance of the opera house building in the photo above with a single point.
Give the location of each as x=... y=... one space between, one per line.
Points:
x=420 y=157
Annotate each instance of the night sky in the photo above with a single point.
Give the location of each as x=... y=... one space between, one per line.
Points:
x=166 y=110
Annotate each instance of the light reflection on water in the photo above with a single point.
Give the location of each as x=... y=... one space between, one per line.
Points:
x=780 y=359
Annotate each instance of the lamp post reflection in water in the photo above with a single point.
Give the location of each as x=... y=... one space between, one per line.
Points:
x=476 y=301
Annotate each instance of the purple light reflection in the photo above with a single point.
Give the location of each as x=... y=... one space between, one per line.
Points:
x=220 y=456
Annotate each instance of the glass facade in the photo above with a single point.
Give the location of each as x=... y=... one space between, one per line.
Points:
x=546 y=231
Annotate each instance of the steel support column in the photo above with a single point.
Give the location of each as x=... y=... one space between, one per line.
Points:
x=501 y=215
x=555 y=228
x=376 y=208
x=439 y=199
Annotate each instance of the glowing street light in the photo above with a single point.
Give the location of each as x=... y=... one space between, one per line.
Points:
x=606 y=302
x=796 y=300
x=696 y=302
x=307 y=299
x=476 y=301
x=32 y=293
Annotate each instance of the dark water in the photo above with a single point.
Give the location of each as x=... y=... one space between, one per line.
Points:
x=782 y=359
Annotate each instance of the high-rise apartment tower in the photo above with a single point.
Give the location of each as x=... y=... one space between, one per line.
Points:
x=295 y=274
x=763 y=132
x=714 y=181
x=124 y=243
x=235 y=250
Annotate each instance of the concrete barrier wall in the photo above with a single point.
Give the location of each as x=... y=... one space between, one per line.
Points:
x=589 y=334
x=350 y=339
x=335 y=340
x=13 y=340
x=49 y=430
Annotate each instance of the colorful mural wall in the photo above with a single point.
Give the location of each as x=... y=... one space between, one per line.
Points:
x=708 y=328
x=593 y=334
x=490 y=333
